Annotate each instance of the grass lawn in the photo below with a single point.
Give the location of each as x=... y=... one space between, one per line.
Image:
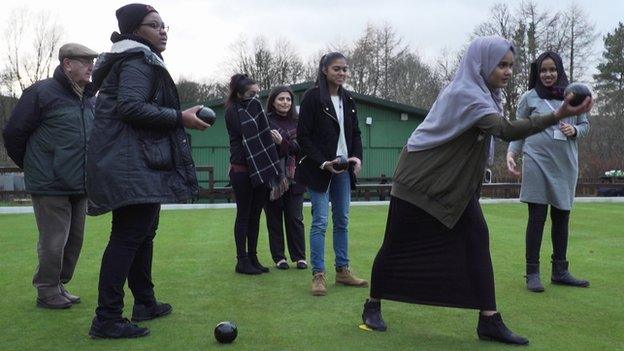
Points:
x=194 y=271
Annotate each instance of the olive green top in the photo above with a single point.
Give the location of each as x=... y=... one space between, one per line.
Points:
x=442 y=180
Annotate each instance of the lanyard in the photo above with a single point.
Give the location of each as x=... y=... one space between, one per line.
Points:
x=553 y=109
x=549 y=105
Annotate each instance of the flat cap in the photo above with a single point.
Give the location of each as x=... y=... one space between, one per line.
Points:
x=73 y=50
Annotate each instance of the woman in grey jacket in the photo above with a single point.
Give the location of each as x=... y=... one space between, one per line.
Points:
x=549 y=169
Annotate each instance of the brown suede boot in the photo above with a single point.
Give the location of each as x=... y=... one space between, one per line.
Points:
x=319 y=284
x=345 y=277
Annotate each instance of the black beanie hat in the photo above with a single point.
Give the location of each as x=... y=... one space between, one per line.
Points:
x=129 y=17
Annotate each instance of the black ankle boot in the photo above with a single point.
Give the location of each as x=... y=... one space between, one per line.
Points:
x=254 y=261
x=492 y=328
x=244 y=266
x=116 y=329
x=533 y=282
x=371 y=316
x=142 y=313
x=561 y=275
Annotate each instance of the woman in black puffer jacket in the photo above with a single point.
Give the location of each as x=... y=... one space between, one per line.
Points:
x=138 y=158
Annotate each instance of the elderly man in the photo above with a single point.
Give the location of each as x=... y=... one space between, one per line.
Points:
x=46 y=136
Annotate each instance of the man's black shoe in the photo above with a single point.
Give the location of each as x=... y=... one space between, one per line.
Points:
x=116 y=329
x=144 y=312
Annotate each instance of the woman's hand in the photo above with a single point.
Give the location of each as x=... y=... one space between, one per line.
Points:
x=567 y=110
x=329 y=166
x=567 y=129
x=511 y=164
x=357 y=165
x=276 y=136
x=190 y=120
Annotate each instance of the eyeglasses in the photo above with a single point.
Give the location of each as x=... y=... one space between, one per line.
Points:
x=156 y=26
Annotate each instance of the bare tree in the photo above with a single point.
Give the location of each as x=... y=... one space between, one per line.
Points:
x=382 y=66
x=32 y=40
x=269 y=66
x=192 y=92
x=581 y=34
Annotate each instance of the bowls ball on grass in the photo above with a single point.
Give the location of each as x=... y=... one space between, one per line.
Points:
x=225 y=332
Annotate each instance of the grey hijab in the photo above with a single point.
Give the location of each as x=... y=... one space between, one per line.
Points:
x=466 y=99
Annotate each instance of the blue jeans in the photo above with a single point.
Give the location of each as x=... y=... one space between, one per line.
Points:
x=339 y=193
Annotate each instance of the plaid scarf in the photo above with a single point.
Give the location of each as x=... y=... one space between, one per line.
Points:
x=288 y=130
x=261 y=155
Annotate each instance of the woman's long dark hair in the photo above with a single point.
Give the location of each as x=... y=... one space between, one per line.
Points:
x=238 y=85
x=292 y=112
x=321 y=78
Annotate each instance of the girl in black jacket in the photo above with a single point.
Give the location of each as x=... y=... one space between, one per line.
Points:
x=138 y=157
x=331 y=154
x=254 y=168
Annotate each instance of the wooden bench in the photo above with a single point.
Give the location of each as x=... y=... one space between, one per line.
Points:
x=378 y=191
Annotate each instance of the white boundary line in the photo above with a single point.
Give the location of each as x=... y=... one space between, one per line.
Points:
x=29 y=209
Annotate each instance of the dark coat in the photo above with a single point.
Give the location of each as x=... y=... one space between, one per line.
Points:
x=47 y=136
x=318 y=132
x=139 y=151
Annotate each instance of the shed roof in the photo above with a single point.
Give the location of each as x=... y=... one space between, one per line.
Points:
x=373 y=100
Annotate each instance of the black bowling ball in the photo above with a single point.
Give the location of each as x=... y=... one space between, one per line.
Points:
x=579 y=92
x=207 y=115
x=225 y=332
x=342 y=165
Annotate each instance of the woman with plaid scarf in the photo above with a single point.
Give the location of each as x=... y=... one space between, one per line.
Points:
x=254 y=168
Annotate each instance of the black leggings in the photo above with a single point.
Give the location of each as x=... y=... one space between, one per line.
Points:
x=128 y=256
x=535 y=229
x=249 y=203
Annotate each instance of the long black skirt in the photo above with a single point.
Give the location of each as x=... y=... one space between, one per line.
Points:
x=424 y=262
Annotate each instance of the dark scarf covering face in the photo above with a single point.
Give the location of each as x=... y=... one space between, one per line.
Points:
x=555 y=92
x=260 y=151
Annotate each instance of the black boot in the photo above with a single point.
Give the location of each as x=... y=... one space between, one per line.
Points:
x=146 y=312
x=561 y=275
x=533 y=282
x=492 y=328
x=254 y=262
x=116 y=329
x=244 y=266
x=371 y=316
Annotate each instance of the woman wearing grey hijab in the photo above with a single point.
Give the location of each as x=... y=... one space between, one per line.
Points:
x=436 y=246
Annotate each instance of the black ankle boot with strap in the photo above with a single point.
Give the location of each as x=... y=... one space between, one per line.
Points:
x=254 y=261
x=244 y=266
x=492 y=328
x=561 y=275
x=533 y=282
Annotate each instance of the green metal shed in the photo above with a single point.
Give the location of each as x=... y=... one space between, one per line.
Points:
x=385 y=127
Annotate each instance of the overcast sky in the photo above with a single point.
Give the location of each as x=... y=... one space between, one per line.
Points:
x=202 y=31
